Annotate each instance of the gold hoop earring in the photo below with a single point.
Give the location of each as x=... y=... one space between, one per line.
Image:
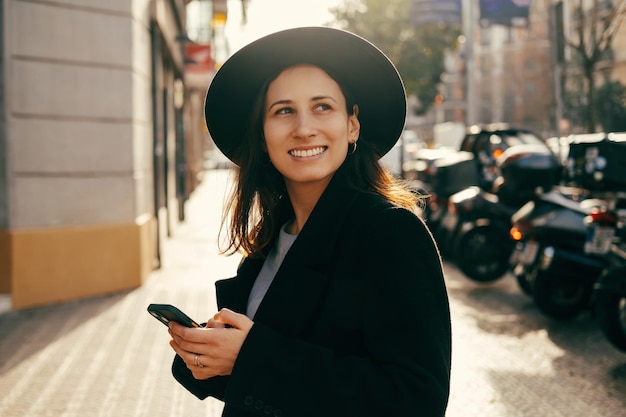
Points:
x=353 y=149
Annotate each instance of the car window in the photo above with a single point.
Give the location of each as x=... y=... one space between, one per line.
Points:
x=520 y=138
x=488 y=145
x=468 y=143
x=483 y=143
x=530 y=139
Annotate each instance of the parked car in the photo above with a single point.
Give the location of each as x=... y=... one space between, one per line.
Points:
x=597 y=161
x=488 y=142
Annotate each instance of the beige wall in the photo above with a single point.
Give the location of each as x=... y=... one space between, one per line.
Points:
x=79 y=145
x=80 y=105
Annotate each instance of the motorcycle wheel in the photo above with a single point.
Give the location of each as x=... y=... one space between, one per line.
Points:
x=560 y=296
x=483 y=253
x=524 y=284
x=524 y=276
x=611 y=315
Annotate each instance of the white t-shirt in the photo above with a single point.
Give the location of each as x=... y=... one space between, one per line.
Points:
x=268 y=271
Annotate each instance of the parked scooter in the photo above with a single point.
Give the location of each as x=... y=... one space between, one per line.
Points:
x=474 y=234
x=607 y=237
x=549 y=261
x=478 y=222
x=552 y=261
x=442 y=175
x=446 y=171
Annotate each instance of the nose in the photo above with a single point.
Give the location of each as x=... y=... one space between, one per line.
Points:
x=305 y=126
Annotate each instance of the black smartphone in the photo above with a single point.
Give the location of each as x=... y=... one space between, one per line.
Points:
x=166 y=313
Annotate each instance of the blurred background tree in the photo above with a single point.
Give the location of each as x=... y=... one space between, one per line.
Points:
x=610 y=106
x=595 y=25
x=417 y=51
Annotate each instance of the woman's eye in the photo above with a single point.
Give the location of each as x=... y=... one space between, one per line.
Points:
x=284 y=110
x=322 y=106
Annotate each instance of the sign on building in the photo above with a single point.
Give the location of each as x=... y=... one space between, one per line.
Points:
x=198 y=58
x=504 y=12
x=435 y=11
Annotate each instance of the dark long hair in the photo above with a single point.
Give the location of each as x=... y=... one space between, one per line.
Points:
x=259 y=202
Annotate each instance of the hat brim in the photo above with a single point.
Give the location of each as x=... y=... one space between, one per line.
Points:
x=360 y=67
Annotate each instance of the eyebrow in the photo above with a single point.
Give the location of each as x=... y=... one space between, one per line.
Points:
x=316 y=98
x=279 y=102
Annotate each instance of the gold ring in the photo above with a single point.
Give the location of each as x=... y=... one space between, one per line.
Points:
x=196 y=361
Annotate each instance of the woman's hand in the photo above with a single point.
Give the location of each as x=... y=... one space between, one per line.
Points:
x=212 y=350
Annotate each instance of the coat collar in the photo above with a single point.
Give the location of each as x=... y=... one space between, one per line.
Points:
x=292 y=298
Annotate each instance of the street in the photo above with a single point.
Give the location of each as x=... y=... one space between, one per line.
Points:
x=107 y=357
x=510 y=360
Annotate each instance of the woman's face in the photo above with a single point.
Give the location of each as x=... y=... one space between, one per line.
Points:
x=307 y=128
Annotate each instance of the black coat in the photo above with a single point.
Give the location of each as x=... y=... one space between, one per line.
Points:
x=356 y=322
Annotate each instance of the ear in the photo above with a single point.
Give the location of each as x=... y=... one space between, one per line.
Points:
x=354 y=124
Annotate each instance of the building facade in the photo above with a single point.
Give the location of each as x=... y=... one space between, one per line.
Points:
x=93 y=151
x=510 y=73
x=513 y=78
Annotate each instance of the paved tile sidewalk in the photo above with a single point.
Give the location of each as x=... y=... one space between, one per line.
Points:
x=106 y=356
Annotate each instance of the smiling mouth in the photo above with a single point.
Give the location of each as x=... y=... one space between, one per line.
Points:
x=305 y=153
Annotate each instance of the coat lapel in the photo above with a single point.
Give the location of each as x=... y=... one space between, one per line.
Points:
x=233 y=293
x=293 y=297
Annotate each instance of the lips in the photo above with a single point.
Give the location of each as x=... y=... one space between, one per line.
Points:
x=306 y=153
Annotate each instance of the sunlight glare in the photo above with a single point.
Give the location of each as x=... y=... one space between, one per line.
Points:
x=268 y=16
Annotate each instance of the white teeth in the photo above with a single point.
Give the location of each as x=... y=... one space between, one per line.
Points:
x=306 y=153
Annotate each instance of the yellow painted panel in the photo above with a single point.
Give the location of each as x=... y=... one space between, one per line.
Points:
x=53 y=265
x=5 y=262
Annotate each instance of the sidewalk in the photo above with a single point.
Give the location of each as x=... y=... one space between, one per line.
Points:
x=107 y=356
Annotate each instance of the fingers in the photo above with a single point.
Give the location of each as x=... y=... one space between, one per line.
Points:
x=221 y=319
x=215 y=346
x=198 y=364
x=214 y=324
x=236 y=320
x=191 y=340
x=204 y=366
x=176 y=328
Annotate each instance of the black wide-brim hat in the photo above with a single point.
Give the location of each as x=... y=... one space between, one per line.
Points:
x=355 y=63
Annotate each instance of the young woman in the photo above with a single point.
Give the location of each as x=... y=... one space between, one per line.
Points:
x=339 y=307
